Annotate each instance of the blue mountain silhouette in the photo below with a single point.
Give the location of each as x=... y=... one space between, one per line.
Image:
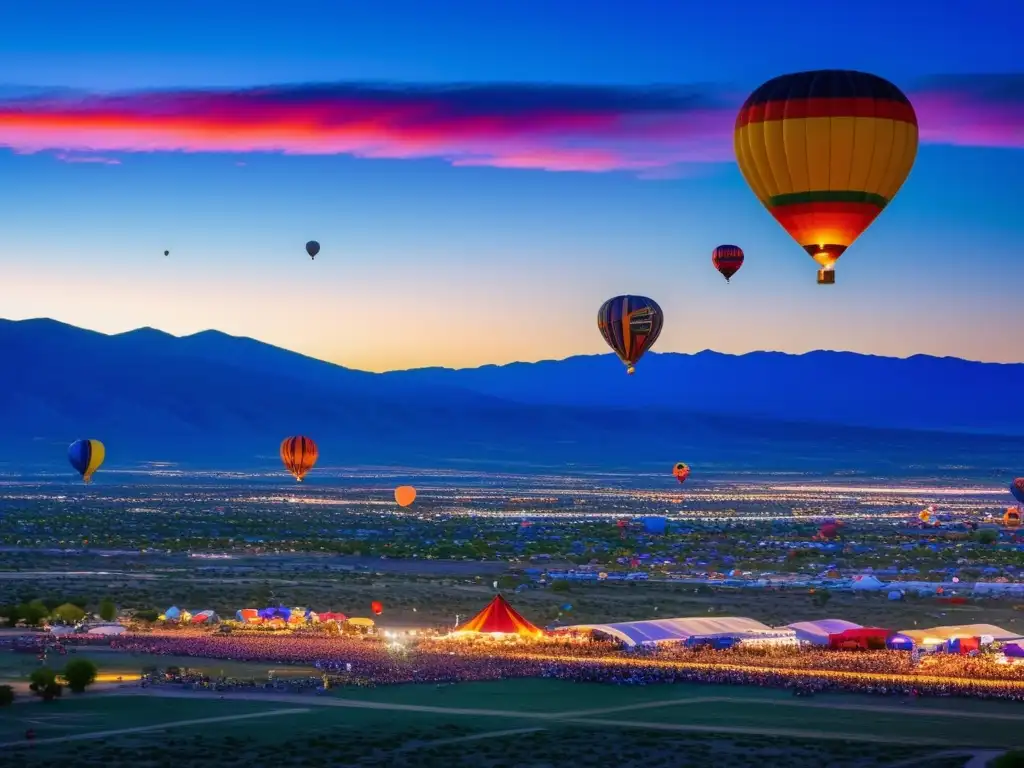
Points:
x=224 y=401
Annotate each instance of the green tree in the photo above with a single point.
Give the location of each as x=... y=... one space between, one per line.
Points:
x=32 y=613
x=44 y=684
x=108 y=611
x=987 y=536
x=822 y=596
x=147 y=614
x=560 y=585
x=6 y=695
x=68 y=613
x=80 y=673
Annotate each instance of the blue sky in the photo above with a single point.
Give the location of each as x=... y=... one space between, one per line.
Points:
x=425 y=263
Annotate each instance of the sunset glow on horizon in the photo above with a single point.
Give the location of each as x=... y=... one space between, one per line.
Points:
x=477 y=201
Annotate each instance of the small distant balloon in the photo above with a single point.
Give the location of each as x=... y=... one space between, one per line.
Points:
x=377 y=607
x=405 y=495
x=312 y=248
x=86 y=456
x=167 y=253
x=727 y=259
x=681 y=471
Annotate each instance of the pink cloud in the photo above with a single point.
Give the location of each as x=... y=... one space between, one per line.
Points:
x=652 y=132
x=555 y=128
x=972 y=110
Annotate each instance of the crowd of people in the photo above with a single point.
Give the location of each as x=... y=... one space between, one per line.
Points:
x=375 y=660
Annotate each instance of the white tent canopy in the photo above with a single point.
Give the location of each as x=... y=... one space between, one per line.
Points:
x=633 y=633
x=817 y=632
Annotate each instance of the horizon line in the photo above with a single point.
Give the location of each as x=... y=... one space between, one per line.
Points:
x=501 y=364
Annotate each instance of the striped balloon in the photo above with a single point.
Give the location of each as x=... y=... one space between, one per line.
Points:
x=86 y=456
x=298 y=454
x=630 y=325
x=727 y=259
x=825 y=152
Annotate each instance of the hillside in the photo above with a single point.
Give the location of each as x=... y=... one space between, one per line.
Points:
x=213 y=399
x=920 y=392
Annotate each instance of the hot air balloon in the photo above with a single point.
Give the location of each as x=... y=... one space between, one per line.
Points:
x=681 y=471
x=405 y=495
x=1011 y=518
x=630 y=325
x=299 y=454
x=925 y=515
x=727 y=259
x=86 y=456
x=825 y=152
x=167 y=253
x=1017 y=489
x=377 y=608
x=312 y=248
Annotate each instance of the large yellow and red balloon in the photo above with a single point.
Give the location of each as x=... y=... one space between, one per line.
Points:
x=298 y=454
x=825 y=152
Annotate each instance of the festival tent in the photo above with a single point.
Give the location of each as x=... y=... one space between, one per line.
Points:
x=1014 y=650
x=817 y=632
x=499 y=618
x=634 y=633
x=864 y=638
x=963 y=645
x=331 y=616
x=941 y=635
x=899 y=642
x=106 y=629
x=866 y=582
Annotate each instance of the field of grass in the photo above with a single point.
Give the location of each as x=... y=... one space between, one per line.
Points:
x=18 y=666
x=512 y=723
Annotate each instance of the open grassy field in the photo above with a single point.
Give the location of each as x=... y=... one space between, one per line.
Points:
x=509 y=723
x=18 y=666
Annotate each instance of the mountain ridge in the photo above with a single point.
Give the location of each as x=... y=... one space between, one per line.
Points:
x=211 y=396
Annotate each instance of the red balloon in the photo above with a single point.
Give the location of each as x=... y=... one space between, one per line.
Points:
x=727 y=259
x=377 y=608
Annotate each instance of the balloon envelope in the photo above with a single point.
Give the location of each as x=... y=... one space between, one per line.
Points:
x=298 y=454
x=377 y=607
x=727 y=259
x=405 y=495
x=86 y=456
x=630 y=325
x=825 y=152
x=681 y=471
x=312 y=248
x=1017 y=489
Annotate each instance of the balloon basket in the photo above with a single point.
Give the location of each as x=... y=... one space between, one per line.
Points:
x=826 y=277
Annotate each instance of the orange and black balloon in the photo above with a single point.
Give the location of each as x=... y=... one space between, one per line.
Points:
x=681 y=471
x=825 y=152
x=630 y=325
x=727 y=259
x=298 y=454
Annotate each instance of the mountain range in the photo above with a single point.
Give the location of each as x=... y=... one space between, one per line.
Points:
x=227 y=401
